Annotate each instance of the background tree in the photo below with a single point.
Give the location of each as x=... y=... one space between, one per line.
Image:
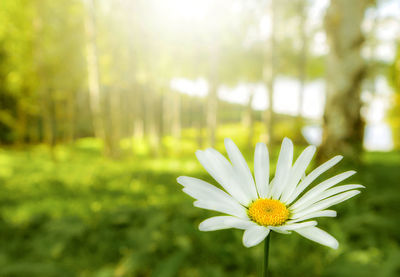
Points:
x=343 y=126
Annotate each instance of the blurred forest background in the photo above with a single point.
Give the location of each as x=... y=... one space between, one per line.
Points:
x=104 y=102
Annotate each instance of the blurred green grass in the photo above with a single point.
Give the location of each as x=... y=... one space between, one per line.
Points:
x=85 y=215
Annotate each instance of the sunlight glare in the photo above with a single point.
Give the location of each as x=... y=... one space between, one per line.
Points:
x=186 y=10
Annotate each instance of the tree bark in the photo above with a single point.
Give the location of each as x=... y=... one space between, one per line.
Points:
x=343 y=126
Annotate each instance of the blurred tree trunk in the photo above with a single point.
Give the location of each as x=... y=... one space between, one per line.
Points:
x=167 y=104
x=248 y=120
x=394 y=112
x=269 y=73
x=212 y=99
x=152 y=107
x=115 y=120
x=21 y=127
x=302 y=57
x=70 y=129
x=176 y=115
x=343 y=126
x=34 y=133
x=212 y=109
x=138 y=112
x=47 y=110
x=199 y=123
x=93 y=73
x=45 y=99
x=134 y=114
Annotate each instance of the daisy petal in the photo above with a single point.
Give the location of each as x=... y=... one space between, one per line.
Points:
x=221 y=170
x=318 y=189
x=325 y=203
x=283 y=168
x=202 y=186
x=312 y=176
x=211 y=168
x=229 y=204
x=278 y=230
x=261 y=169
x=205 y=191
x=338 y=189
x=235 y=184
x=298 y=171
x=254 y=235
x=324 y=213
x=220 y=207
x=224 y=222
x=319 y=236
x=241 y=168
x=329 y=193
x=294 y=226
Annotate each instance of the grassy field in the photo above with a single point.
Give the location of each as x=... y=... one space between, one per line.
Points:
x=85 y=215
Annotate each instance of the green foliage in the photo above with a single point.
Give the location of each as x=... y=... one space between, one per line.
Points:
x=41 y=65
x=394 y=120
x=84 y=215
x=394 y=113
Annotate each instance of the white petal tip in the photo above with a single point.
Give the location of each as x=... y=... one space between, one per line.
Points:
x=287 y=140
x=251 y=243
x=334 y=246
x=228 y=140
x=261 y=145
x=254 y=235
x=313 y=149
x=247 y=245
x=204 y=228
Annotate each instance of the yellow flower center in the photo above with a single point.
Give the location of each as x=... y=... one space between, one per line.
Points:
x=268 y=212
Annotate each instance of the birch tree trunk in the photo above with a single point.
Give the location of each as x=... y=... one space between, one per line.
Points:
x=343 y=126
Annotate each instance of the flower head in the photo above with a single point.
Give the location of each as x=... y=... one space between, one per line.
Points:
x=258 y=205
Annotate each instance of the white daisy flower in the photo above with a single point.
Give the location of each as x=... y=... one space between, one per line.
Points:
x=258 y=205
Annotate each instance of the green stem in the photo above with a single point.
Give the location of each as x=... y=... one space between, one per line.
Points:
x=266 y=254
